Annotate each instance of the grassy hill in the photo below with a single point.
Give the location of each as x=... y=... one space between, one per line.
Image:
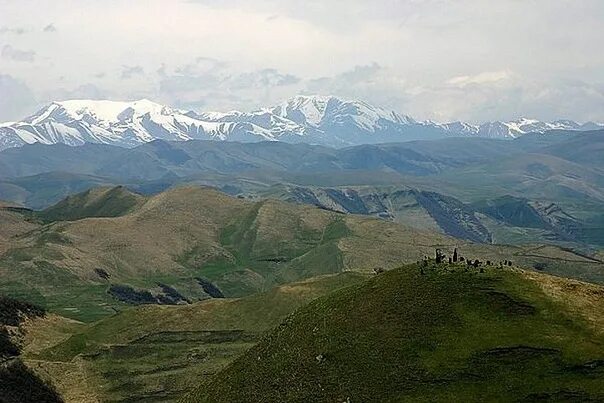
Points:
x=179 y=245
x=441 y=333
x=13 y=221
x=95 y=202
x=158 y=353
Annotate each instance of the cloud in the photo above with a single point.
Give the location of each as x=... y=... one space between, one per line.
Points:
x=17 y=99
x=438 y=59
x=201 y=65
x=12 y=30
x=478 y=97
x=161 y=70
x=372 y=83
x=50 y=28
x=509 y=95
x=17 y=55
x=84 y=91
x=480 y=78
x=130 y=71
x=320 y=12
x=262 y=79
x=211 y=83
x=357 y=76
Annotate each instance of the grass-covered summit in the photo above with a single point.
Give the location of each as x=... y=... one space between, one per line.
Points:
x=95 y=202
x=430 y=334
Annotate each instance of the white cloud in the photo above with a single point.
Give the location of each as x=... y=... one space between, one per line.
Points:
x=16 y=100
x=433 y=58
x=85 y=91
x=12 y=30
x=474 y=97
x=18 y=55
x=130 y=71
x=210 y=83
x=480 y=78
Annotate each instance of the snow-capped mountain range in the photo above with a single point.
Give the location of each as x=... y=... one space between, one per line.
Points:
x=324 y=120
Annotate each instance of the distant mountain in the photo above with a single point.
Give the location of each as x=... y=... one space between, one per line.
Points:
x=324 y=120
x=521 y=127
x=159 y=159
x=582 y=149
x=438 y=212
x=470 y=169
x=418 y=209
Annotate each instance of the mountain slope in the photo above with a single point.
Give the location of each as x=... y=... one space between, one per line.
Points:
x=444 y=332
x=504 y=220
x=521 y=212
x=125 y=124
x=584 y=148
x=190 y=339
x=45 y=189
x=412 y=207
x=181 y=240
x=533 y=175
x=96 y=202
x=18 y=383
x=468 y=169
x=159 y=159
x=326 y=120
x=182 y=245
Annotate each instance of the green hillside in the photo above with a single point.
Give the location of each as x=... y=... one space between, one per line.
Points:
x=95 y=202
x=159 y=352
x=436 y=333
x=189 y=244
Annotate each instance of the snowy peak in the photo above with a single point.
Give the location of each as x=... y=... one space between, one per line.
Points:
x=460 y=127
x=323 y=112
x=305 y=109
x=326 y=120
x=519 y=127
x=98 y=111
x=125 y=124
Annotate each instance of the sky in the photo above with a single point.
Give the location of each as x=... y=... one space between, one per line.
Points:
x=444 y=60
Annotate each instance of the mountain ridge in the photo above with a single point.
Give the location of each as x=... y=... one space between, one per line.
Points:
x=323 y=120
